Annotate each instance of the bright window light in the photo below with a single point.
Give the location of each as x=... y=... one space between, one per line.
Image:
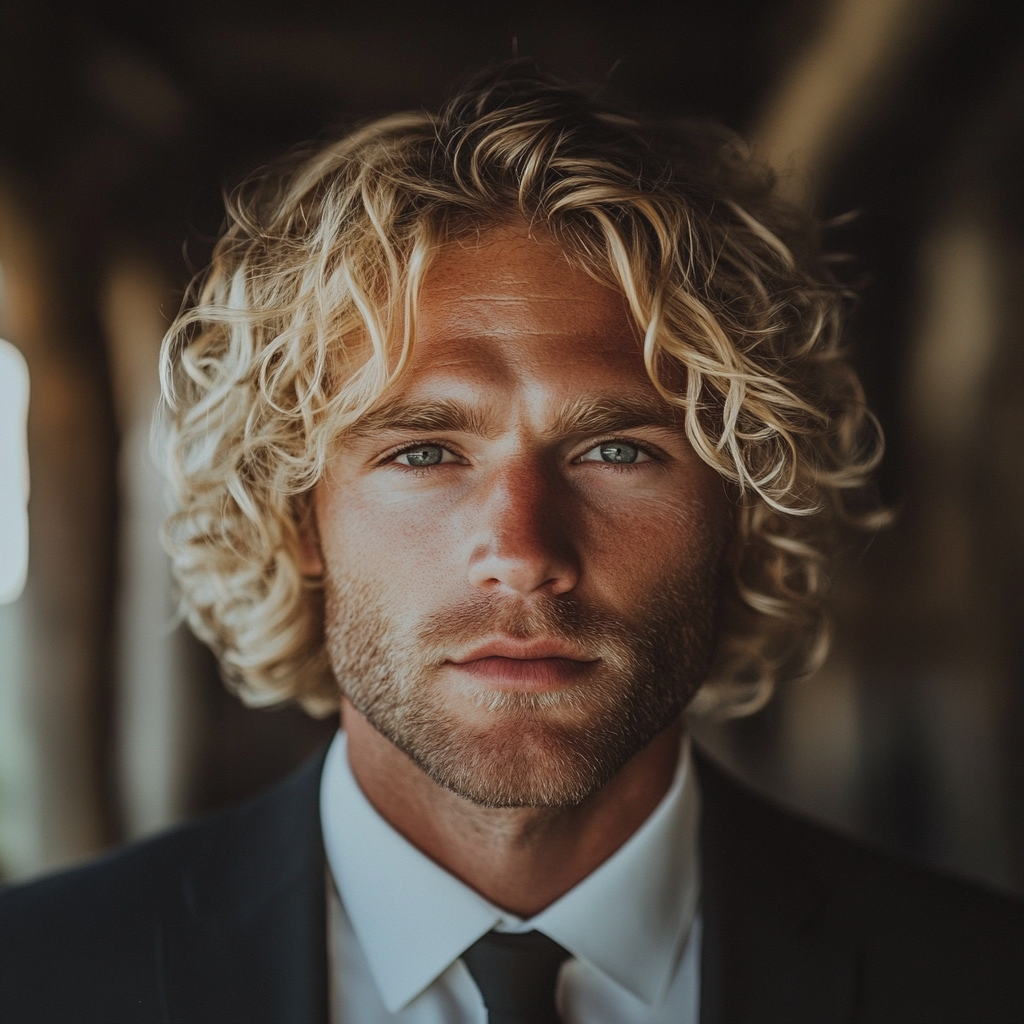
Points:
x=13 y=472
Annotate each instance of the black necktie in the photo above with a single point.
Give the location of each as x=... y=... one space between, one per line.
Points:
x=516 y=975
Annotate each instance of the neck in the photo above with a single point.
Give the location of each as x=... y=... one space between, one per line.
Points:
x=521 y=859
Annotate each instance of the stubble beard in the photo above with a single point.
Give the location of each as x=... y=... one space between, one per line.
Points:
x=548 y=749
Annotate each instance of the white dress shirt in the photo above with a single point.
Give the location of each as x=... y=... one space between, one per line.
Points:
x=399 y=922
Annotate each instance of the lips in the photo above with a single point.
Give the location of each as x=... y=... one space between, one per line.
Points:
x=529 y=665
x=522 y=650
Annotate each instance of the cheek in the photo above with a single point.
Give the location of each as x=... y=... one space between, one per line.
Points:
x=379 y=538
x=630 y=547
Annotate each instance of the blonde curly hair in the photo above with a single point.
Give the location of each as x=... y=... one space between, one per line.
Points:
x=307 y=314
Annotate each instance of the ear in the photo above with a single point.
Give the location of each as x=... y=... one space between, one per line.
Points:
x=311 y=559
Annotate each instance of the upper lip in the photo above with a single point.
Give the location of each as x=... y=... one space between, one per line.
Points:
x=523 y=650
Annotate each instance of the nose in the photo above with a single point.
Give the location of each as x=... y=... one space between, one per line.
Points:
x=521 y=529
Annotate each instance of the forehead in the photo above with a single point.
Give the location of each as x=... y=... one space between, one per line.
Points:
x=509 y=308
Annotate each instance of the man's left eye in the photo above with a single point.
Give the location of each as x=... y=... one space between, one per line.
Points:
x=615 y=452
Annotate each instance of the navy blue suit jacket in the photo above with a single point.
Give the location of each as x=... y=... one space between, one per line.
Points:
x=224 y=921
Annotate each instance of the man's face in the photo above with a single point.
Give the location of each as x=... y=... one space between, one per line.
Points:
x=521 y=549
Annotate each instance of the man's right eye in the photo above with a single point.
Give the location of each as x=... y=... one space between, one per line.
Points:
x=425 y=455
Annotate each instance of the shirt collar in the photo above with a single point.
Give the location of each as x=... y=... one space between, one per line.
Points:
x=631 y=916
x=412 y=918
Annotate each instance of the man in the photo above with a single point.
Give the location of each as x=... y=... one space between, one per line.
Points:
x=513 y=432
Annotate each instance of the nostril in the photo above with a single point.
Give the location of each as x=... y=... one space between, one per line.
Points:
x=524 y=575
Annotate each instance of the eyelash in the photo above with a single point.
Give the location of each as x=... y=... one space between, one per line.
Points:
x=392 y=454
x=653 y=453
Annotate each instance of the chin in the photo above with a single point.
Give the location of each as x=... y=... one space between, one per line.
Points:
x=522 y=761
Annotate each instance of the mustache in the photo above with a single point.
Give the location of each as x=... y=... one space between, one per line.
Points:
x=588 y=631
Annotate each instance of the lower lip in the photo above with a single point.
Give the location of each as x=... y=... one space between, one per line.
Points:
x=527 y=674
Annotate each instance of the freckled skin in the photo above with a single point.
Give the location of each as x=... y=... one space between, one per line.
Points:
x=519 y=513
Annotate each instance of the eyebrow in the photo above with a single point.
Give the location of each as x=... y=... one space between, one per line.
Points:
x=439 y=415
x=583 y=415
x=606 y=414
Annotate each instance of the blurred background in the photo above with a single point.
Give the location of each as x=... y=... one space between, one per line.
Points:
x=902 y=121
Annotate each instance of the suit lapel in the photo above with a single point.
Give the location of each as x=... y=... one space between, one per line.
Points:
x=246 y=941
x=770 y=951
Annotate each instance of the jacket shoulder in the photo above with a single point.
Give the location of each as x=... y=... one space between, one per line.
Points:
x=89 y=936
x=86 y=944
x=923 y=944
